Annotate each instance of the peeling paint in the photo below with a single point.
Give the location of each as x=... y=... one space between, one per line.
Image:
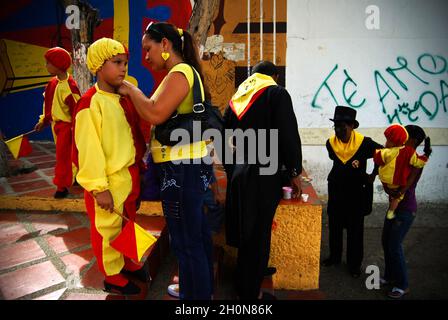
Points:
x=230 y=50
x=214 y=44
x=234 y=51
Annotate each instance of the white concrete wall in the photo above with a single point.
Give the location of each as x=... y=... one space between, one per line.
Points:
x=333 y=58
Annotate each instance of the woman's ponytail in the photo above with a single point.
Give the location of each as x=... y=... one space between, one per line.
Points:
x=419 y=135
x=427 y=148
x=191 y=56
x=190 y=52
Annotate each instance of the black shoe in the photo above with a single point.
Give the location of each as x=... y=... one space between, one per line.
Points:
x=330 y=262
x=268 y=296
x=141 y=274
x=129 y=289
x=61 y=194
x=270 y=271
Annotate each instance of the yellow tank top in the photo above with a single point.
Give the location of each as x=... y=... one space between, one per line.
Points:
x=195 y=150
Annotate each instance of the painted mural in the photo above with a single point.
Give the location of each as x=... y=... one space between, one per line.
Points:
x=243 y=33
x=29 y=27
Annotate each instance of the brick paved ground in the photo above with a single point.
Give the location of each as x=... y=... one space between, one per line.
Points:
x=43 y=253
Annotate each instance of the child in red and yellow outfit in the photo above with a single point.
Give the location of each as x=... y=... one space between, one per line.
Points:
x=60 y=97
x=396 y=161
x=109 y=151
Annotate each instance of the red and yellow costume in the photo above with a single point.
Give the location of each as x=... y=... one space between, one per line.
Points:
x=396 y=162
x=60 y=99
x=109 y=151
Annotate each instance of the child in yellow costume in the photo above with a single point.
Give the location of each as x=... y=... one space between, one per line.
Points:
x=396 y=161
x=60 y=98
x=109 y=151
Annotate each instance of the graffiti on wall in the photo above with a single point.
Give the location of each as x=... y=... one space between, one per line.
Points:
x=402 y=93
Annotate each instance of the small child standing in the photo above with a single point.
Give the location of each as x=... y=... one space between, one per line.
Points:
x=395 y=162
x=60 y=97
x=109 y=151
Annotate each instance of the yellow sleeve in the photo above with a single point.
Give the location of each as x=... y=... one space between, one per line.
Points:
x=187 y=71
x=418 y=161
x=385 y=155
x=92 y=163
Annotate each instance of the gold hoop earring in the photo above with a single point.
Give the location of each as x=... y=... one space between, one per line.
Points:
x=165 y=55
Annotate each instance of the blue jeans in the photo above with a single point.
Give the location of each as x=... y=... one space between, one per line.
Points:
x=215 y=212
x=182 y=192
x=394 y=232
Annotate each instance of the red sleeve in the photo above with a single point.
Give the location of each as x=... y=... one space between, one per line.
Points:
x=134 y=122
x=71 y=102
x=377 y=159
x=48 y=101
x=83 y=103
x=73 y=86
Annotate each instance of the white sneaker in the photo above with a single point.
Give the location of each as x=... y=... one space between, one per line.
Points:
x=173 y=290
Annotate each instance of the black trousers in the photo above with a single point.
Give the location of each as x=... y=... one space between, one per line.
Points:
x=253 y=252
x=252 y=200
x=354 y=223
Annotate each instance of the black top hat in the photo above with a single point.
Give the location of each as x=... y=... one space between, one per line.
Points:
x=345 y=114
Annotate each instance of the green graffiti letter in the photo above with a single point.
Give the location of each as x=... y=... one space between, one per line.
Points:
x=431 y=115
x=436 y=68
x=403 y=65
x=324 y=84
x=382 y=95
x=443 y=85
x=348 y=79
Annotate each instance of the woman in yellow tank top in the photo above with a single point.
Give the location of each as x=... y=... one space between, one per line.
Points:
x=183 y=184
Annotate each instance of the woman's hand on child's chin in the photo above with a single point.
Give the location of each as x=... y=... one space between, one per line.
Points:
x=105 y=200
x=125 y=88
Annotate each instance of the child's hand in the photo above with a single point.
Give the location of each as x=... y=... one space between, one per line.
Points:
x=105 y=200
x=39 y=126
